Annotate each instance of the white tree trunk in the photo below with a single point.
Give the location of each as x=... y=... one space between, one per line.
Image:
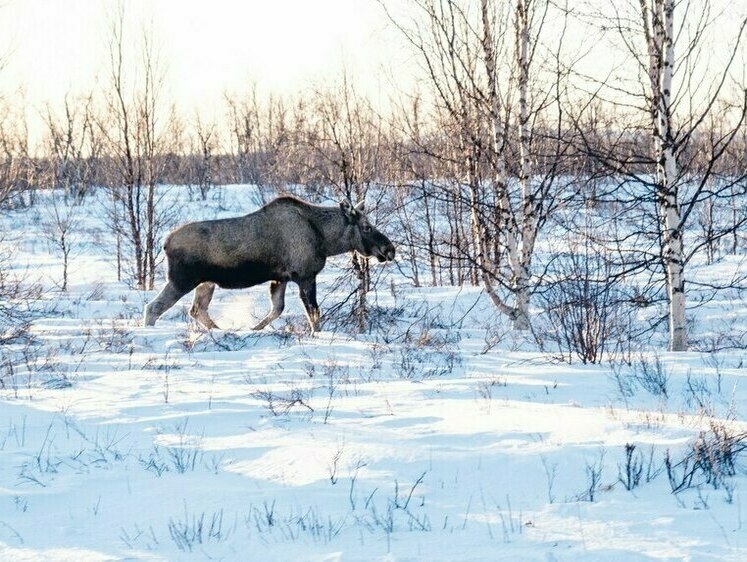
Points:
x=659 y=29
x=529 y=216
x=507 y=225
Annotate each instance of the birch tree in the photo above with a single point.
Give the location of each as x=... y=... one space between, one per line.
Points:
x=481 y=76
x=658 y=27
x=678 y=97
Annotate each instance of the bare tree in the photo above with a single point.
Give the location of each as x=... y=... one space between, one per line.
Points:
x=17 y=170
x=260 y=137
x=346 y=145
x=206 y=137
x=137 y=139
x=61 y=224
x=475 y=77
x=672 y=100
x=417 y=204
x=70 y=146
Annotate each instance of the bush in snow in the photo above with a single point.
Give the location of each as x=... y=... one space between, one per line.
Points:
x=587 y=314
x=713 y=458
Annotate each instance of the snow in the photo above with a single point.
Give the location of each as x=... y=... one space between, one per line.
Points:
x=422 y=440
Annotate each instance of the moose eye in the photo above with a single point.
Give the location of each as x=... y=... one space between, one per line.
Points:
x=367 y=228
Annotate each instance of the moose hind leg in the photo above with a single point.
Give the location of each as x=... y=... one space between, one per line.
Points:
x=199 y=311
x=277 y=297
x=307 y=291
x=167 y=298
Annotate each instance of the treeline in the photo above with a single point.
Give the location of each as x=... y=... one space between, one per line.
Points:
x=272 y=146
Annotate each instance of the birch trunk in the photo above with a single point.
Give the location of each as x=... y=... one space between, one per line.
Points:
x=529 y=216
x=506 y=224
x=660 y=39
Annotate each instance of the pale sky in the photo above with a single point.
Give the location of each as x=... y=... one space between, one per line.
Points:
x=59 y=46
x=209 y=47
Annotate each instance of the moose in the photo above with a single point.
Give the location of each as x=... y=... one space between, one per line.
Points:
x=286 y=240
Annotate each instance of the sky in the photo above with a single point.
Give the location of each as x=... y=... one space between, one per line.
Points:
x=59 y=46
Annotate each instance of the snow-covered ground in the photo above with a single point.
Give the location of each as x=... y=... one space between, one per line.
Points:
x=440 y=435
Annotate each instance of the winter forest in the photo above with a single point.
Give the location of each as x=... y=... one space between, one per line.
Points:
x=550 y=369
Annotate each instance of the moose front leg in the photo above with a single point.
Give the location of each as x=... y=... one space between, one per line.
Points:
x=307 y=290
x=277 y=297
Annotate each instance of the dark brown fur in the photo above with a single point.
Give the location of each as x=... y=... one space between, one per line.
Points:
x=286 y=240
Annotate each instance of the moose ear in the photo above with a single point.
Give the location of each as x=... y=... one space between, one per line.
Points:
x=350 y=212
x=359 y=207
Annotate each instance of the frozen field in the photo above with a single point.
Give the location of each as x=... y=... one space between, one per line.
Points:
x=439 y=435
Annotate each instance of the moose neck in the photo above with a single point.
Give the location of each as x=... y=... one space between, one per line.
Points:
x=334 y=226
